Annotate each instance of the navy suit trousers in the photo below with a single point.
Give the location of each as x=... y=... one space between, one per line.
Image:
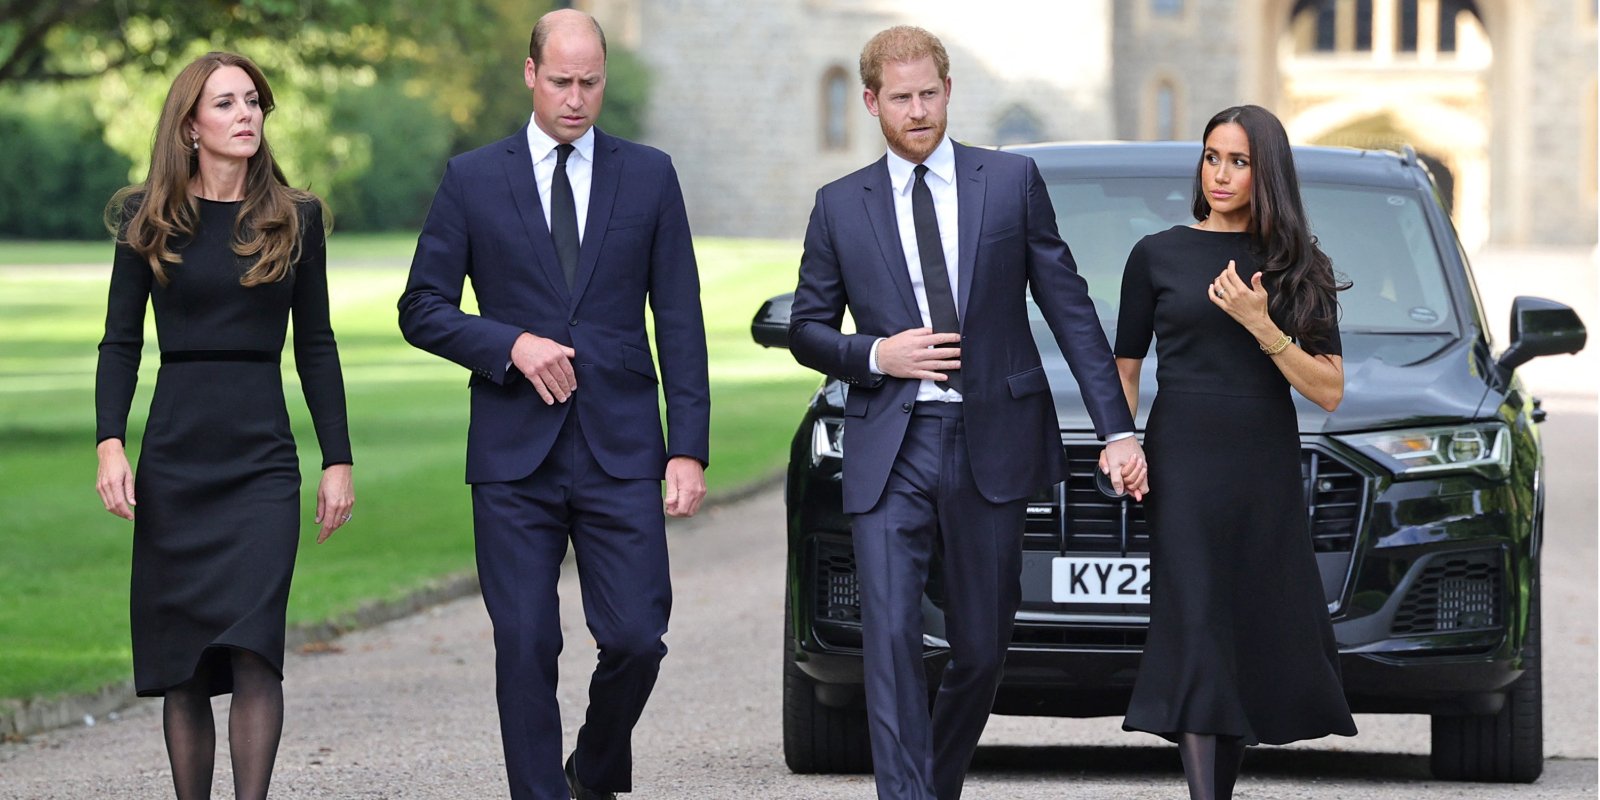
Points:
x=932 y=503
x=618 y=533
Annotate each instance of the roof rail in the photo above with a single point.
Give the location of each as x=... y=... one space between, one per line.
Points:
x=1408 y=155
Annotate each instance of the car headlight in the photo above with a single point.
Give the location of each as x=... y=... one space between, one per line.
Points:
x=1483 y=448
x=827 y=439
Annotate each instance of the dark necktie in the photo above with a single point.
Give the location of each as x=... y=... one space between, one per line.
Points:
x=564 y=216
x=935 y=280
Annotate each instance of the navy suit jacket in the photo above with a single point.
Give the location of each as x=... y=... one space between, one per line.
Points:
x=1008 y=242
x=487 y=223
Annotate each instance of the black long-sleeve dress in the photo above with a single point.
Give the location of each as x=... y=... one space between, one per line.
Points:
x=1240 y=643
x=218 y=481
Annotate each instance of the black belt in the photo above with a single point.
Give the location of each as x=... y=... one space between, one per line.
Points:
x=186 y=356
x=937 y=409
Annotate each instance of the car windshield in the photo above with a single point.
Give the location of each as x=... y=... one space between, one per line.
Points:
x=1378 y=239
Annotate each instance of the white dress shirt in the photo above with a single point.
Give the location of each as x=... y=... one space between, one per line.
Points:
x=580 y=170
x=941 y=180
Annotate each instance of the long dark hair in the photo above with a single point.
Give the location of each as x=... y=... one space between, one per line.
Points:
x=1299 y=276
x=162 y=208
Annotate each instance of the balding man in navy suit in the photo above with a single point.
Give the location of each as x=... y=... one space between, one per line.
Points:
x=567 y=233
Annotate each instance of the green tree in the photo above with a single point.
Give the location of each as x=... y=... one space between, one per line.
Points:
x=404 y=142
x=53 y=41
x=372 y=96
x=58 y=172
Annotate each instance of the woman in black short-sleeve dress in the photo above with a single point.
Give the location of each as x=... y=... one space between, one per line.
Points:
x=227 y=254
x=1240 y=648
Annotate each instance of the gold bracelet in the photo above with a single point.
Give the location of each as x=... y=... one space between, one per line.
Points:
x=1276 y=347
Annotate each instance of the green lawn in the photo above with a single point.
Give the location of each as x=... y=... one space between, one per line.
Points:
x=64 y=560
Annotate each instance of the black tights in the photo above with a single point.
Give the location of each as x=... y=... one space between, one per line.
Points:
x=255 y=722
x=1211 y=764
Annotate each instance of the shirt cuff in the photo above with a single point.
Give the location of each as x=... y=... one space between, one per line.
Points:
x=872 y=358
x=1119 y=435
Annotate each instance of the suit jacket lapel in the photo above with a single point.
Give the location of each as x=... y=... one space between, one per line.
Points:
x=525 y=192
x=969 y=202
x=879 y=199
x=605 y=175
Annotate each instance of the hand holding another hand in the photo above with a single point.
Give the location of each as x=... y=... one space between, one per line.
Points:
x=1123 y=461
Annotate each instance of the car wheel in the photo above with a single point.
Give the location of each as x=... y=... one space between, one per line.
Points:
x=818 y=738
x=1507 y=747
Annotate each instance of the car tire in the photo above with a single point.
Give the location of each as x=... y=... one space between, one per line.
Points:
x=817 y=738
x=1507 y=747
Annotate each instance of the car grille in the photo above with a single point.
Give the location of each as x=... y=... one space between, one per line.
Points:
x=1335 y=496
x=838 y=598
x=1455 y=592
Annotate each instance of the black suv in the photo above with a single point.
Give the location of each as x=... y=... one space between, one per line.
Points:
x=1424 y=487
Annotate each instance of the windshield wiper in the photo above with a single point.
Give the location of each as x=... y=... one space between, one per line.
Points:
x=1396 y=332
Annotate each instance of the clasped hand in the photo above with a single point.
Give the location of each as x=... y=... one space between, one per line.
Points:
x=918 y=354
x=1123 y=461
x=547 y=364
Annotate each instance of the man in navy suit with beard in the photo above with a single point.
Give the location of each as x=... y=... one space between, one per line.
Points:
x=949 y=421
x=566 y=233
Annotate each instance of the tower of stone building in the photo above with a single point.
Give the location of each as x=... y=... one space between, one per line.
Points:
x=1497 y=95
x=759 y=103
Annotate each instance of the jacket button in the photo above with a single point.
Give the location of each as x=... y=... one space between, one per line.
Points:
x=906 y=407
x=572 y=322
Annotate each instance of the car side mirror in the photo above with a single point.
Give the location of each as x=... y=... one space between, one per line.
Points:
x=770 y=328
x=1541 y=327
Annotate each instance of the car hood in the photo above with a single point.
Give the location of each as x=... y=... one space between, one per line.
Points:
x=1391 y=381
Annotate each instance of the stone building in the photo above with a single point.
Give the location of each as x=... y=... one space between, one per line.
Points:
x=759 y=103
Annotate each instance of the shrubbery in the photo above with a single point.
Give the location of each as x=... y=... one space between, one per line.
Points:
x=56 y=170
x=372 y=143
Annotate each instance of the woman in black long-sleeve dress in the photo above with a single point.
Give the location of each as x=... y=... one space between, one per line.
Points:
x=1240 y=649
x=227 y=253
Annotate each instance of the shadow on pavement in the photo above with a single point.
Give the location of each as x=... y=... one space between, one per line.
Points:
x=1258 y=762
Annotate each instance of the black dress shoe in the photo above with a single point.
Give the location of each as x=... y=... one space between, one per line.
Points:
x=581 y=792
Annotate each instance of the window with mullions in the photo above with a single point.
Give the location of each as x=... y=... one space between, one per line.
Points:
x=835 y=109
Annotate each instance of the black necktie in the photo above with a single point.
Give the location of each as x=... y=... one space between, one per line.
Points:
x=564 y=216
x=935 y=280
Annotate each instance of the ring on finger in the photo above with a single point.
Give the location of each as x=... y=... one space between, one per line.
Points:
x=1216 y=290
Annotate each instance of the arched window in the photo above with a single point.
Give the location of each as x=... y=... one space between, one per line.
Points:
x=1165 y=112
x=1018 y=125
x=835 y=109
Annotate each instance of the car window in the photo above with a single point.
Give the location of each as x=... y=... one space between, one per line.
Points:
x=1378 y=239
x=1101 y=220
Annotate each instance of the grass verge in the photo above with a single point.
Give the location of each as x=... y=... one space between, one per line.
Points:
x=64 y=574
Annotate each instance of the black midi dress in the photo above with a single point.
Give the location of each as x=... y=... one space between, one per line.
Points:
x=1240 y=642
x=218 y=481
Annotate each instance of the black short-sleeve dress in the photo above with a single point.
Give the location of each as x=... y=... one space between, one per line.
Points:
x=1240 y=642
x=218 y=481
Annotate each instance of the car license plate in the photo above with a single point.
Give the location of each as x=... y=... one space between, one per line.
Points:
x=1100 y=579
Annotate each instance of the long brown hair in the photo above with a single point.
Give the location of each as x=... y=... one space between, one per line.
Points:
x=147 y=216
x=1300 y=274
